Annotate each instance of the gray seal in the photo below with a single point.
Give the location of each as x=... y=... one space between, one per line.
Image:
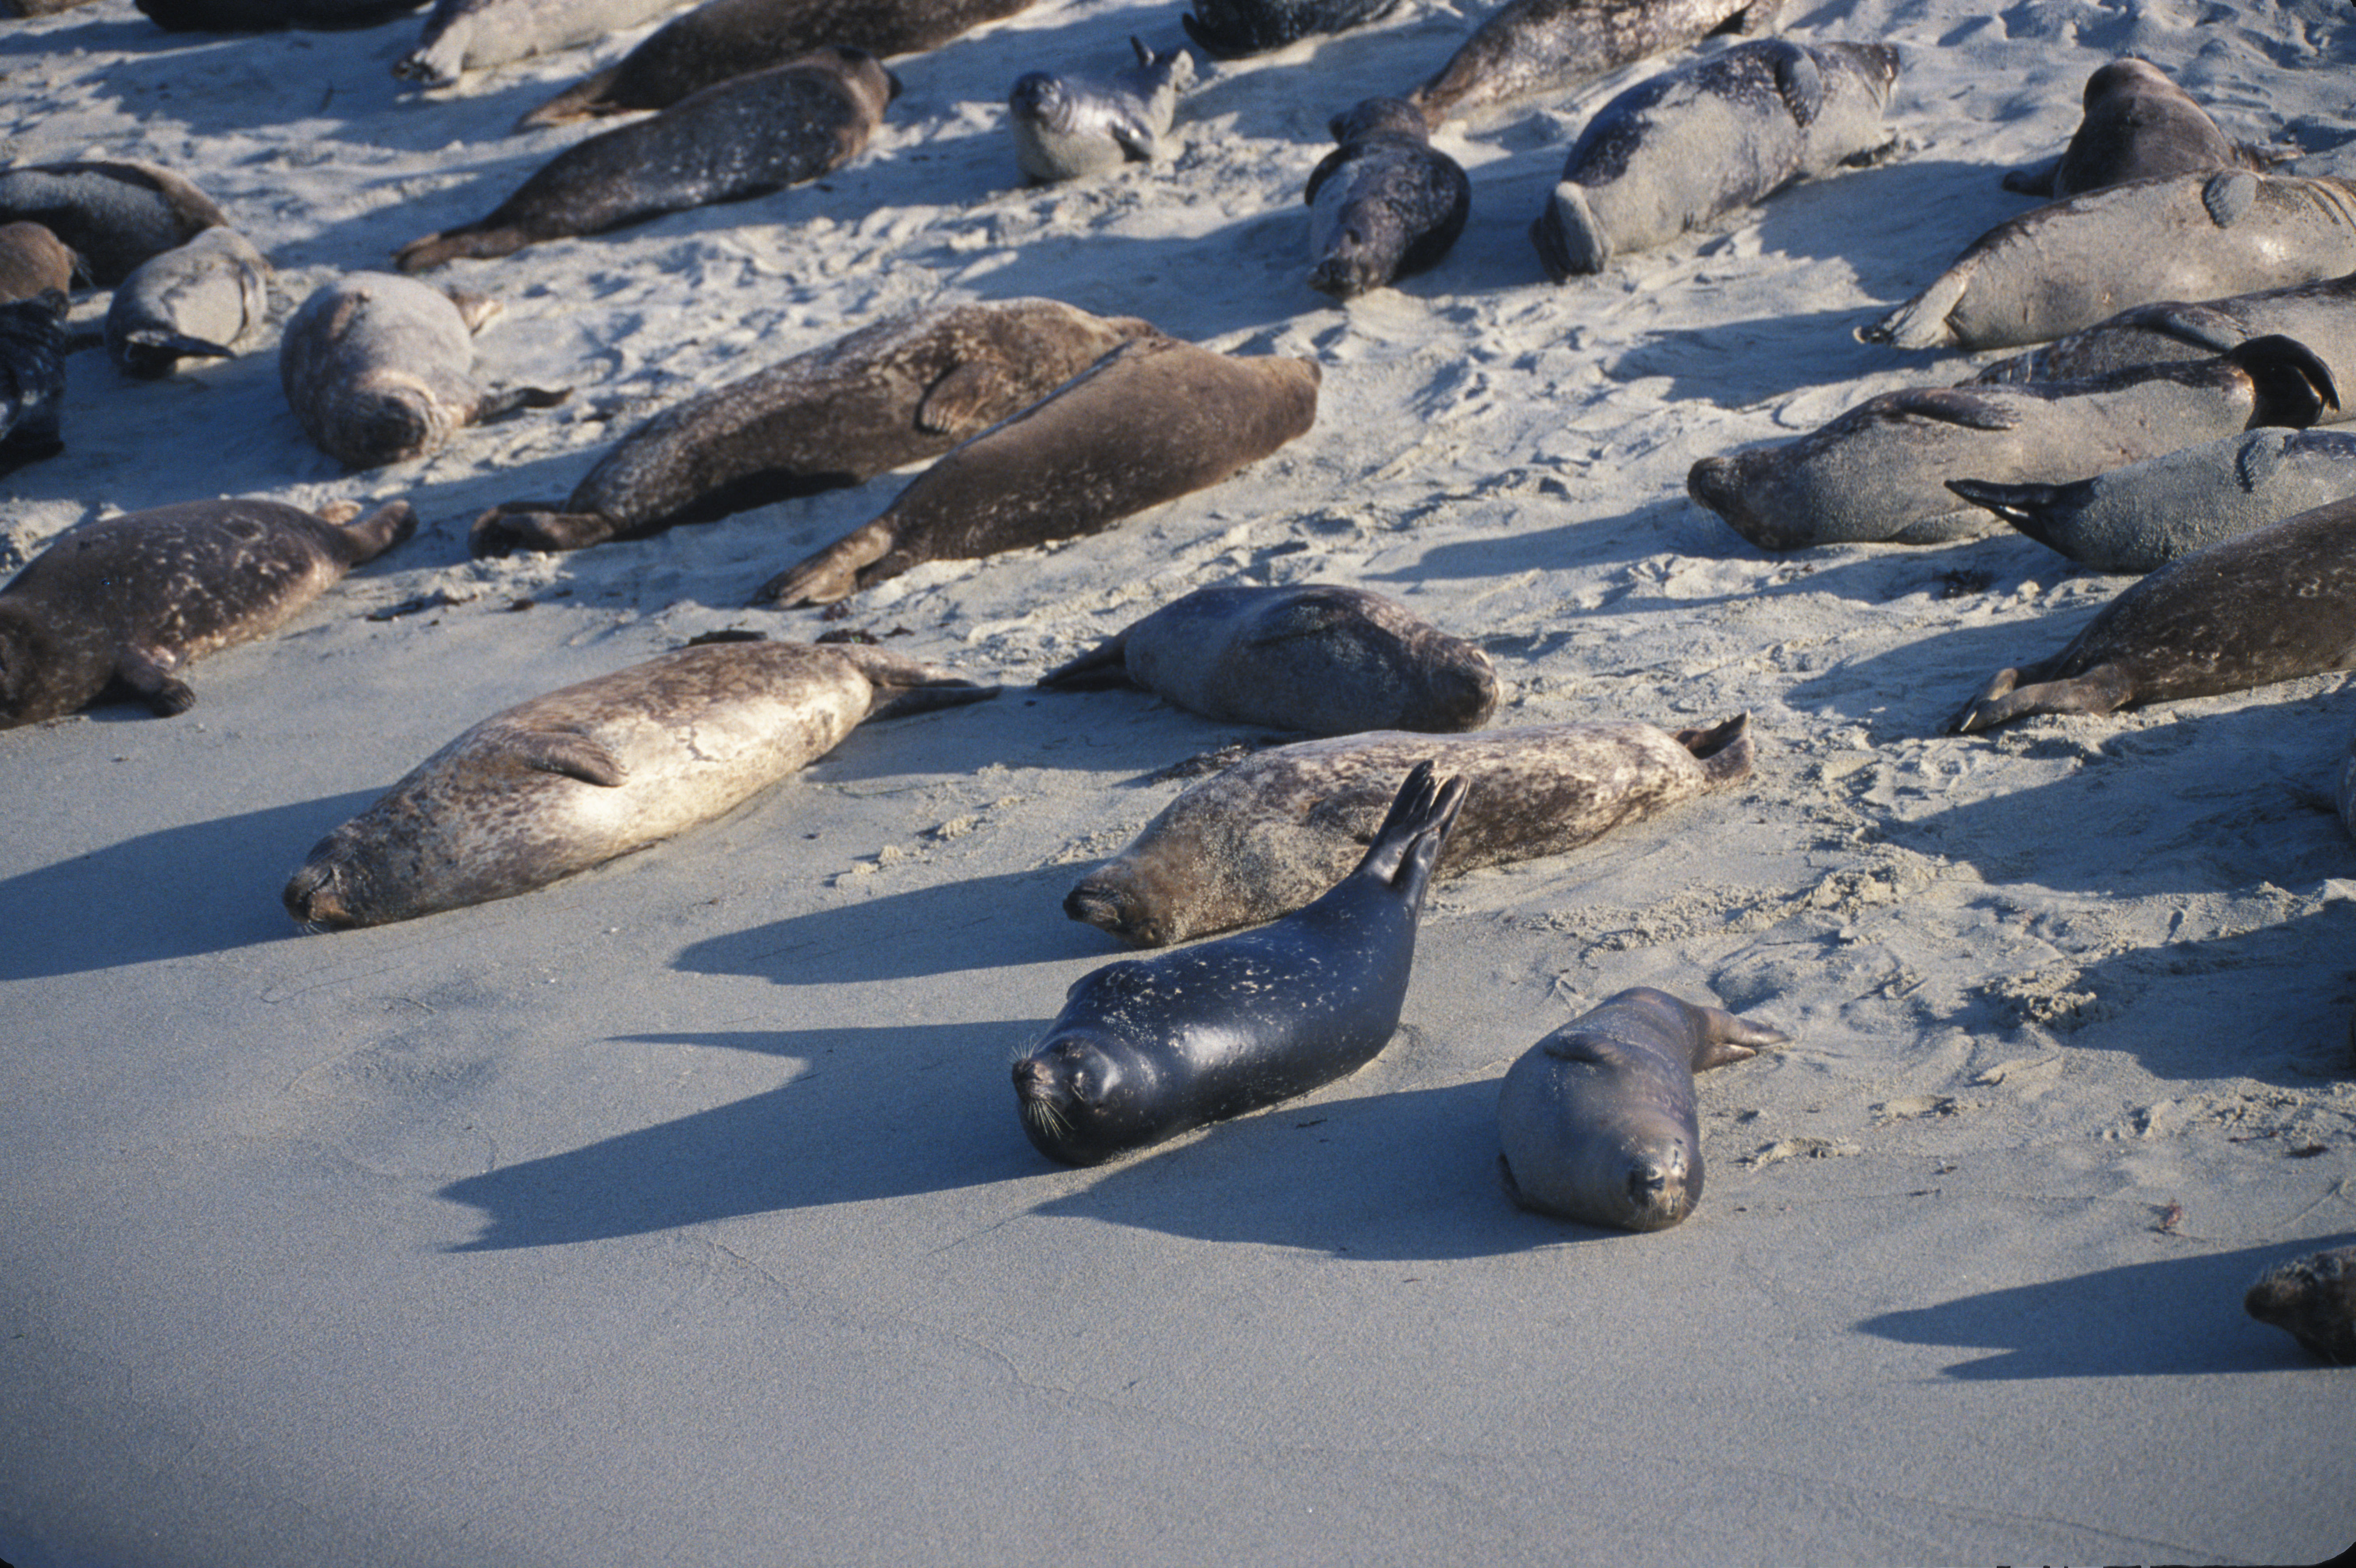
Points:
x=128 y=601
x=887 y=395
x=1532 y=47
x=1068 y=127
x=1313 y=657
x=2313 y=1300
x=32 y=377
x=1683 y=149
x=1599 y=1120
x=1879 y=472
x=2271 y=605
x=1152 y=421
x=1280 y=827
x=1229 y=29
x=269 y=16
x=114 y=213
x=379 y=368
x=1148 y=1048
x=198 y=301
x=743 y=138
x=572 y=779
x=2138 y=124
x=470 y=35
x=1384 y=204
x=32 y=260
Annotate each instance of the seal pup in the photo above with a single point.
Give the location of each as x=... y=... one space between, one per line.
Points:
x=1685 y=148
x=1551 y=46
x=32 y=260
x=743 y=138
x=32 y=377
x=1283 y=825
x=2313 y=1300
x=1152 y=421
x=127 y=601
x=1313 y=657
x=1068 y=127
x=889 y=394
x=1148 y=1048
x=572 y=779
x=270 y=16
x=200 y=300
x=1229 y=29
x=1879 y=472
x=2271 y=605
x=379 y=368
x=112 y=213
x=1384 y=204
x=2138 y=124
x=470 y=35
x=2073 y=262
x=1598 y=1120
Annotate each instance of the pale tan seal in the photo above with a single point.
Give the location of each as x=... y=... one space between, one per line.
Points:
x=32 y=260
x=2313 y=1300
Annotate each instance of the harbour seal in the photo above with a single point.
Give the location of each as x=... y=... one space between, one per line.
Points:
x=572 y=779
x=1551 y=46
x=1679 y=151
x=2271 y=605
x=746 y=137
x=1283 y=825
x=1152 y=421
x=1598 y=1120
x=471 y=35
x=200 y=300
x=127 y=601
x=269 y=16
x=1229 y=29
x=889 y=394
x=1069 y=127
x=1384 y=204
x=32 y=260
x=1148 y=1048
x=2313 y=1300
x=32 y=377
x=1879 y=472
x=1313 y=657
x=379 y=368
x=2073 y=262
x=2138 y=124
x=112 y=213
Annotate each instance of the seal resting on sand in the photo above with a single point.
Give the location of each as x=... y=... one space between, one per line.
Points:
x=1384 y=204
x=32 y=377
x=470 y=35
x=2138 y=124
x=1551 y=46
x=1067 y=127
x=2313 y=1300
x=198 y=301
x=1228 y=29
x=112 y=213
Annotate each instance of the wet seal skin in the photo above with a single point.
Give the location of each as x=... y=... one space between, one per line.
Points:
x=1384 y=204
x=1532 y=47
x=2138 y=125
x=2313 y=1300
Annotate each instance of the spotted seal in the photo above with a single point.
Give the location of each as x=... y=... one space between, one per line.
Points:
x=1384 y=204
x=32 y=377
x=461 y=36
x=1552 y=46
x=2138 y=124
x=112 y=213
x=1229 y=29
x=200 y=300
x=32 y=260
x=1069 y=127
x=2313 y=1300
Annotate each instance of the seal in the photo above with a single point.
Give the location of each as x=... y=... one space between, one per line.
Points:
x=198 y=301
x=1313 y=657
x=1879 y=472
x=2344 y=797
x=743 y=138
x=1598 y=1120
x=2138 y=126
x=379 y=368
x=37 y=7
x=1685 y=148
x=1148 y=1048
x=1551 y=46
x=32 y=262
x=2073 y=262
x=32 y=377
x=1283 y=825
x=113 y=214
x=2271 y=605
x=471 y=35
x=890 y=394
x=1229 y=29
x=2313 y=1300
x=270 y=16
x=1152 y=421
x=1068 y=127
x=572 y=779
x=1384 y=204
x=127 y=601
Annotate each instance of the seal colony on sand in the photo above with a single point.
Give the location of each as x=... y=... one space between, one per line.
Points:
x=198 y=301
x=32 y=377
x=1229 y=29
x=1148 y=1048
x=470 y=35
x=2138 y=125
x=1069 y=127
x=2313 y=1300
x=572 y=779
x=112 y=213
x=1384 y=204
x=130 y=600
x=1551 y=46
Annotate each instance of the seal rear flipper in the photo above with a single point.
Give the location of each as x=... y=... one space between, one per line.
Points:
x=567 y=753
x=1923 y=321
x=1407 y=845
x=515 y=400
x=157 y=344
x=2290 y=384
x=2031 y=509
x=1724 y=1038
x=2036 y=180
x=1724 y=750
x=903 y=686
x=578 y=101
x=2099 y=690
x=954 y=405
x=391 y=524
x=1101 y=668
x=830 y=575
x=434 y=250
x=536 y=525
x=1948 y=405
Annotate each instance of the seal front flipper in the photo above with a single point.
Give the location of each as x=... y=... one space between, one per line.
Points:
x=515 y=400
x=1948 y=405
x=511 y=526
x=2036 y=180
x=148 y=673
x=570 y=754
x=1101 y=667
x=954 y=405
x=834 y=572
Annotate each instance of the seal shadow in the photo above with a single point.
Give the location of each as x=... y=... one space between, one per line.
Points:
x=1737 y=364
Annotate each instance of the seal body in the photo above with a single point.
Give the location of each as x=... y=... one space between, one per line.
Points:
x=1551 y=46
x=1066 y=127
x=1283 y=825
x=1384 y=204
x=200 y=300
x=1148 y=1048
x=1313 y=657
x=32 y=260
x=470 y=35
x=269 y=16
x=2271 y=605
x=129 y=600
x=1879 y=472
x=2074 y=263
x=379 y=368
x=1680 y=151
x=2313 y=1300
x=2138 y=126
x=1229 y=29
x=887 y=395
x=32 y=377
x=113 y=214
x=1598 y=1120
x=1152 y=421
x=2344 y=797
x=743 y=138
x=565 y=781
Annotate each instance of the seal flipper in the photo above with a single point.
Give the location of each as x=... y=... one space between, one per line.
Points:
x=1798 y=83
x=2290 y=385
x=388 y=525
x=149 y=675
x=2031 y=509
x=2228 y=196
x=581 y=101
x=1409 y=844
x=2101 y=689
x=832 y=574
x=515 y=400
x=2035 y=180
x=1101 y=667
x=1947 y=405
x=570 y=754
x=511 y=526
x=1724 y=750
x=952 y=405
x=1726 y=1038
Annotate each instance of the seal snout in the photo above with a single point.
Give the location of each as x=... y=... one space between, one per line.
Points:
x=315 y=897
x=1657 y=1189
x=1112 y=910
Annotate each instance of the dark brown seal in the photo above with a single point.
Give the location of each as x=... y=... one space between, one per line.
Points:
x=2313 y=1300
x=32 y=260
x=2138 y=124
x=269 y=16
x=1551 y=46
x=113 y=214
x=1228 y=29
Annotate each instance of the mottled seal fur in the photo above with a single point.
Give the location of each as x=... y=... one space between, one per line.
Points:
x=1681 y=150
x=2271 y=605
x=1067 y=127
x=1152 y=421
x=127 y=601
x=887 y=395
x=470 y=35
x=1384 y=204
x=2138 y=124
x=32 y=260
x=1148 y=1048
x=113 y=214
x=565 y=781
x=1551 y=46
x=379 y=368
x=1229 y=29
x=32 y=377
x=1879 y=472
x=1280 y=827
x=2073 y=262
x=1313 y=657
x=2313 y=1300
x=200 y=300
x=1599 y=1120
x=269 y=16
x=743 y=138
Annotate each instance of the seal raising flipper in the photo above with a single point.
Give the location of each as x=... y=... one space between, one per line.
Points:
x=1066 y=127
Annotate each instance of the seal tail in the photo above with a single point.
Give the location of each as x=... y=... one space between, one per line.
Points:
x=515 y=400
x=1723 y=750
x=834 y=572
x=1101 y=667
x=1409 y=844
x=581 y=101
x=2290 y=385
x=423 y=255
x=903 y=687
x=2032 y=509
